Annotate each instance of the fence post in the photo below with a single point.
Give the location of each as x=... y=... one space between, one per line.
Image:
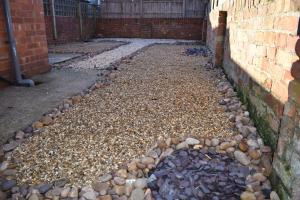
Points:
x=52 y=9
x=184 y=8
x=141 y=9
x=95 y=18
x=80 y=19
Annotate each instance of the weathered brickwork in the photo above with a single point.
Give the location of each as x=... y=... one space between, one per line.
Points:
x=29 y=30
x=68 y=29
x=185 y=28
x=260 y=58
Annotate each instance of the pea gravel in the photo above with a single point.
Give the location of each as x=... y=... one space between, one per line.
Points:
x=159 y=93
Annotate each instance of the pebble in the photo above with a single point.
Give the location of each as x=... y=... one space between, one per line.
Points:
x=208 y=142
x=140 y=183
x=274 y=196
x=37 y=125
x=46 y=120
x=65 y=192
x=241 y=157
x=73 y=193
x=43 y=188
x=101 y=187
x=259 y=177
x=10 y=146
x=90 y=195
x=4 y=165
x=105 y=197
x=137 y=194
x=147 y=160
x=192 y=141
x=20 y=135
x=132 y=166
x=254 y=154
x=8 y=184
x=10 y=172
x=243 y=146
x=224 y=145
x=248 y=196
x=55 y=192
x=252 y=144
x=182 y=145
x=33 y=197
x=122 y=173
x=215 y=142
x=119 y=189
x=119 y=181
x=105 y=178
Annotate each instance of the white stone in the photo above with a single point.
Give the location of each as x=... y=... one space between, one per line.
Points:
x=242 y=157
x=192 y=141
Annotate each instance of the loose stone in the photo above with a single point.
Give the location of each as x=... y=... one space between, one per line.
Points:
x=182 y=145
x=101 y=187
x=254 y=154
x=148 y=160
x=8 y=184
x=105 y=178
x=65 y=192
x=119 y=181
x=119 y=189
x=242 y=157
x=140 y=183
x=224 y=145
x=74 y=192
x=46 y=120
x=259 y=177
x=215 y=142
x=192 y=141
x=122 y=173
x=105 y=197
x=274 y=196
x=248 y=196
x=137 y=194
x=10 y=146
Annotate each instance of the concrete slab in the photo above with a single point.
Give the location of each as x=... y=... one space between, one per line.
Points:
x=61 y=57
x=20 y=106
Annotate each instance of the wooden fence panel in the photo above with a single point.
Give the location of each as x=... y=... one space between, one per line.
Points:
x=152 y=8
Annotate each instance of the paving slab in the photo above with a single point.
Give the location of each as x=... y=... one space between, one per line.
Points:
x=61 y=57
x=21 y=106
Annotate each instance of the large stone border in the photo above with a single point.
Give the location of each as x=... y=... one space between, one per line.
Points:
x=130 y=181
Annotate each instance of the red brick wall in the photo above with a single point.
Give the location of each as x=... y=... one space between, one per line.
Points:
x=190 y=28
x=29 y=30
x=68 y=29
x=259 y=52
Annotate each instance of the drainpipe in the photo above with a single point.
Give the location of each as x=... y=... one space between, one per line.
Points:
x=13 y=48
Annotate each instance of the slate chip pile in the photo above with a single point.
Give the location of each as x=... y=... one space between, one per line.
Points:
x=199 y=51
x=193 y=174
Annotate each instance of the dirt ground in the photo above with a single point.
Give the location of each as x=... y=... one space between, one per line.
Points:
x=159 y=93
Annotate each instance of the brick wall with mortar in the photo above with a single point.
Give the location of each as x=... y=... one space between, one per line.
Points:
x=68 y=29
x=259 y=52
x=29 y=30
x=188 y=28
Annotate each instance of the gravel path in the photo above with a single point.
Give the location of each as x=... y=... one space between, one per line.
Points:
x=159 y=93
x=103 y=60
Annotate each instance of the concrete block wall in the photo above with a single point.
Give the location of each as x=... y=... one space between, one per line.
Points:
x=29 y=30
x=174 y=28
x=257 y=53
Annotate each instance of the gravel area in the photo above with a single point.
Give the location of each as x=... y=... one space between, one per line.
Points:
x=107 y=58
x=161 y=92
x=85 y=47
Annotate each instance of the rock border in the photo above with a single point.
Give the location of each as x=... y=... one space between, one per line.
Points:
x=130 y=181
